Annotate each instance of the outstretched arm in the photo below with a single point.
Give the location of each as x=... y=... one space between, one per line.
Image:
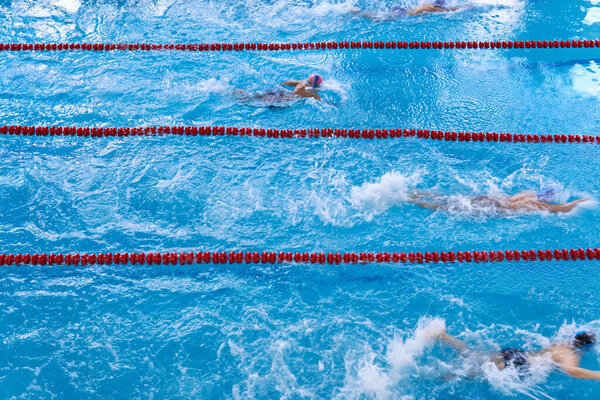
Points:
x=556 y=208
x=290 y=83
x=581 y=373
x=430 y=8
x=525 y=204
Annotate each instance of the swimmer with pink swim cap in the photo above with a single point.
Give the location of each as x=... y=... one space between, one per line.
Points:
x=277 y=98
x=306 y=88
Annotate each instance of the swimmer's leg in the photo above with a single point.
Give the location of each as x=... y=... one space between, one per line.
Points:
x=364 y=14
x=243 y=95
x=416 y=197
x=431 y=195
x=269 y=97
x=452 y=341
x=431 y=206
x=430 y=8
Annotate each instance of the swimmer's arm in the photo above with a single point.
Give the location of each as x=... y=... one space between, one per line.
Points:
x=580 y=373
x=431 y=206
x=556 y=208
x=430 y=8
x=452 y=341
x=313 y=95
x=425 y=8
x=525 y=205
x=290 y=83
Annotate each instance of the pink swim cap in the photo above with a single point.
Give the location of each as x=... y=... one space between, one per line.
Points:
x=315 y=80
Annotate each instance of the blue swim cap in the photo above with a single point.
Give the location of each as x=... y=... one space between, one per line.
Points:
x=546 y=194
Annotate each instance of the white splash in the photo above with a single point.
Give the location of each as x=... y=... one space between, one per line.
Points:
x=372 y=380
x=586 y=79
x=403 y=352
x=592 y=16
x=70 y=6
x=374 y=198
x=327 y=8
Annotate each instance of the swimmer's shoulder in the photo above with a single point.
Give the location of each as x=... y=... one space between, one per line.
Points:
x=561 y=354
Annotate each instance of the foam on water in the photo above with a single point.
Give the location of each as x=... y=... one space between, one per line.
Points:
x=373 y=198
x=71 y=6
x=381 y=379
x=403 y=352
x=586 y=79
x=592 y=16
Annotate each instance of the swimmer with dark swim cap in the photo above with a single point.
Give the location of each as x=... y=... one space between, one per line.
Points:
x=302 y=89
x=438 y=6
x=566 y=355
x=543 y=200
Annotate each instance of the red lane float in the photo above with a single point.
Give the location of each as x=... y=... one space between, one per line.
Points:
x=266 y=257
x=294 y=133
x=399 y=45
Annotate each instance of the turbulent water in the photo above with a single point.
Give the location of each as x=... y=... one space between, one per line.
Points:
x=292 y=331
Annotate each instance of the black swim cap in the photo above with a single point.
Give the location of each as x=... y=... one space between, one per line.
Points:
x=584 y=338
x=516 y=358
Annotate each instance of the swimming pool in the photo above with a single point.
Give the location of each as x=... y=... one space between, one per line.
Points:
x=289 y=331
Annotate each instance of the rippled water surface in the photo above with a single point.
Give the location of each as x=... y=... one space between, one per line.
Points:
x=292 y=331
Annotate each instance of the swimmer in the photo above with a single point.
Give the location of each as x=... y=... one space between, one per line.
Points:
x=302 y=89
x=439 y=6
x=566 y=355
x=524 y=201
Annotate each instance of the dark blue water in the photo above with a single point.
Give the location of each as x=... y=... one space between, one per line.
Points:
x=292 y=331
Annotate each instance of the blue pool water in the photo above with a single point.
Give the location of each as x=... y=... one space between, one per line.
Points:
x=291 y=331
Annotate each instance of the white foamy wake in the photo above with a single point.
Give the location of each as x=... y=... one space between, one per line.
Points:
x=70 y=6
x=371 y=380
x=586 y=79
x=592 y=16
x=339 y=204
x=402 y=352
x=392 y=189
x=341 y=89
x=328 y=8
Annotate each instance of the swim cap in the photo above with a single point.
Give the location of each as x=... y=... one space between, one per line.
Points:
x=584 y=340
x=516 y=358
x=546 y=194
x=315 y=80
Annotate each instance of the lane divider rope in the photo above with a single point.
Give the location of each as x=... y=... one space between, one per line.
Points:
x=239 y=257
x=294 y=133
x=437 y=45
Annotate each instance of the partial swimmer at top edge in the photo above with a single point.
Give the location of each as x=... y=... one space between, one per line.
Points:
x=438 y=6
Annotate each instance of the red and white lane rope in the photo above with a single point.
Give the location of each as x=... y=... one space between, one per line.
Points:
x=294 y=133
x=266 y=257
x=399 y=45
